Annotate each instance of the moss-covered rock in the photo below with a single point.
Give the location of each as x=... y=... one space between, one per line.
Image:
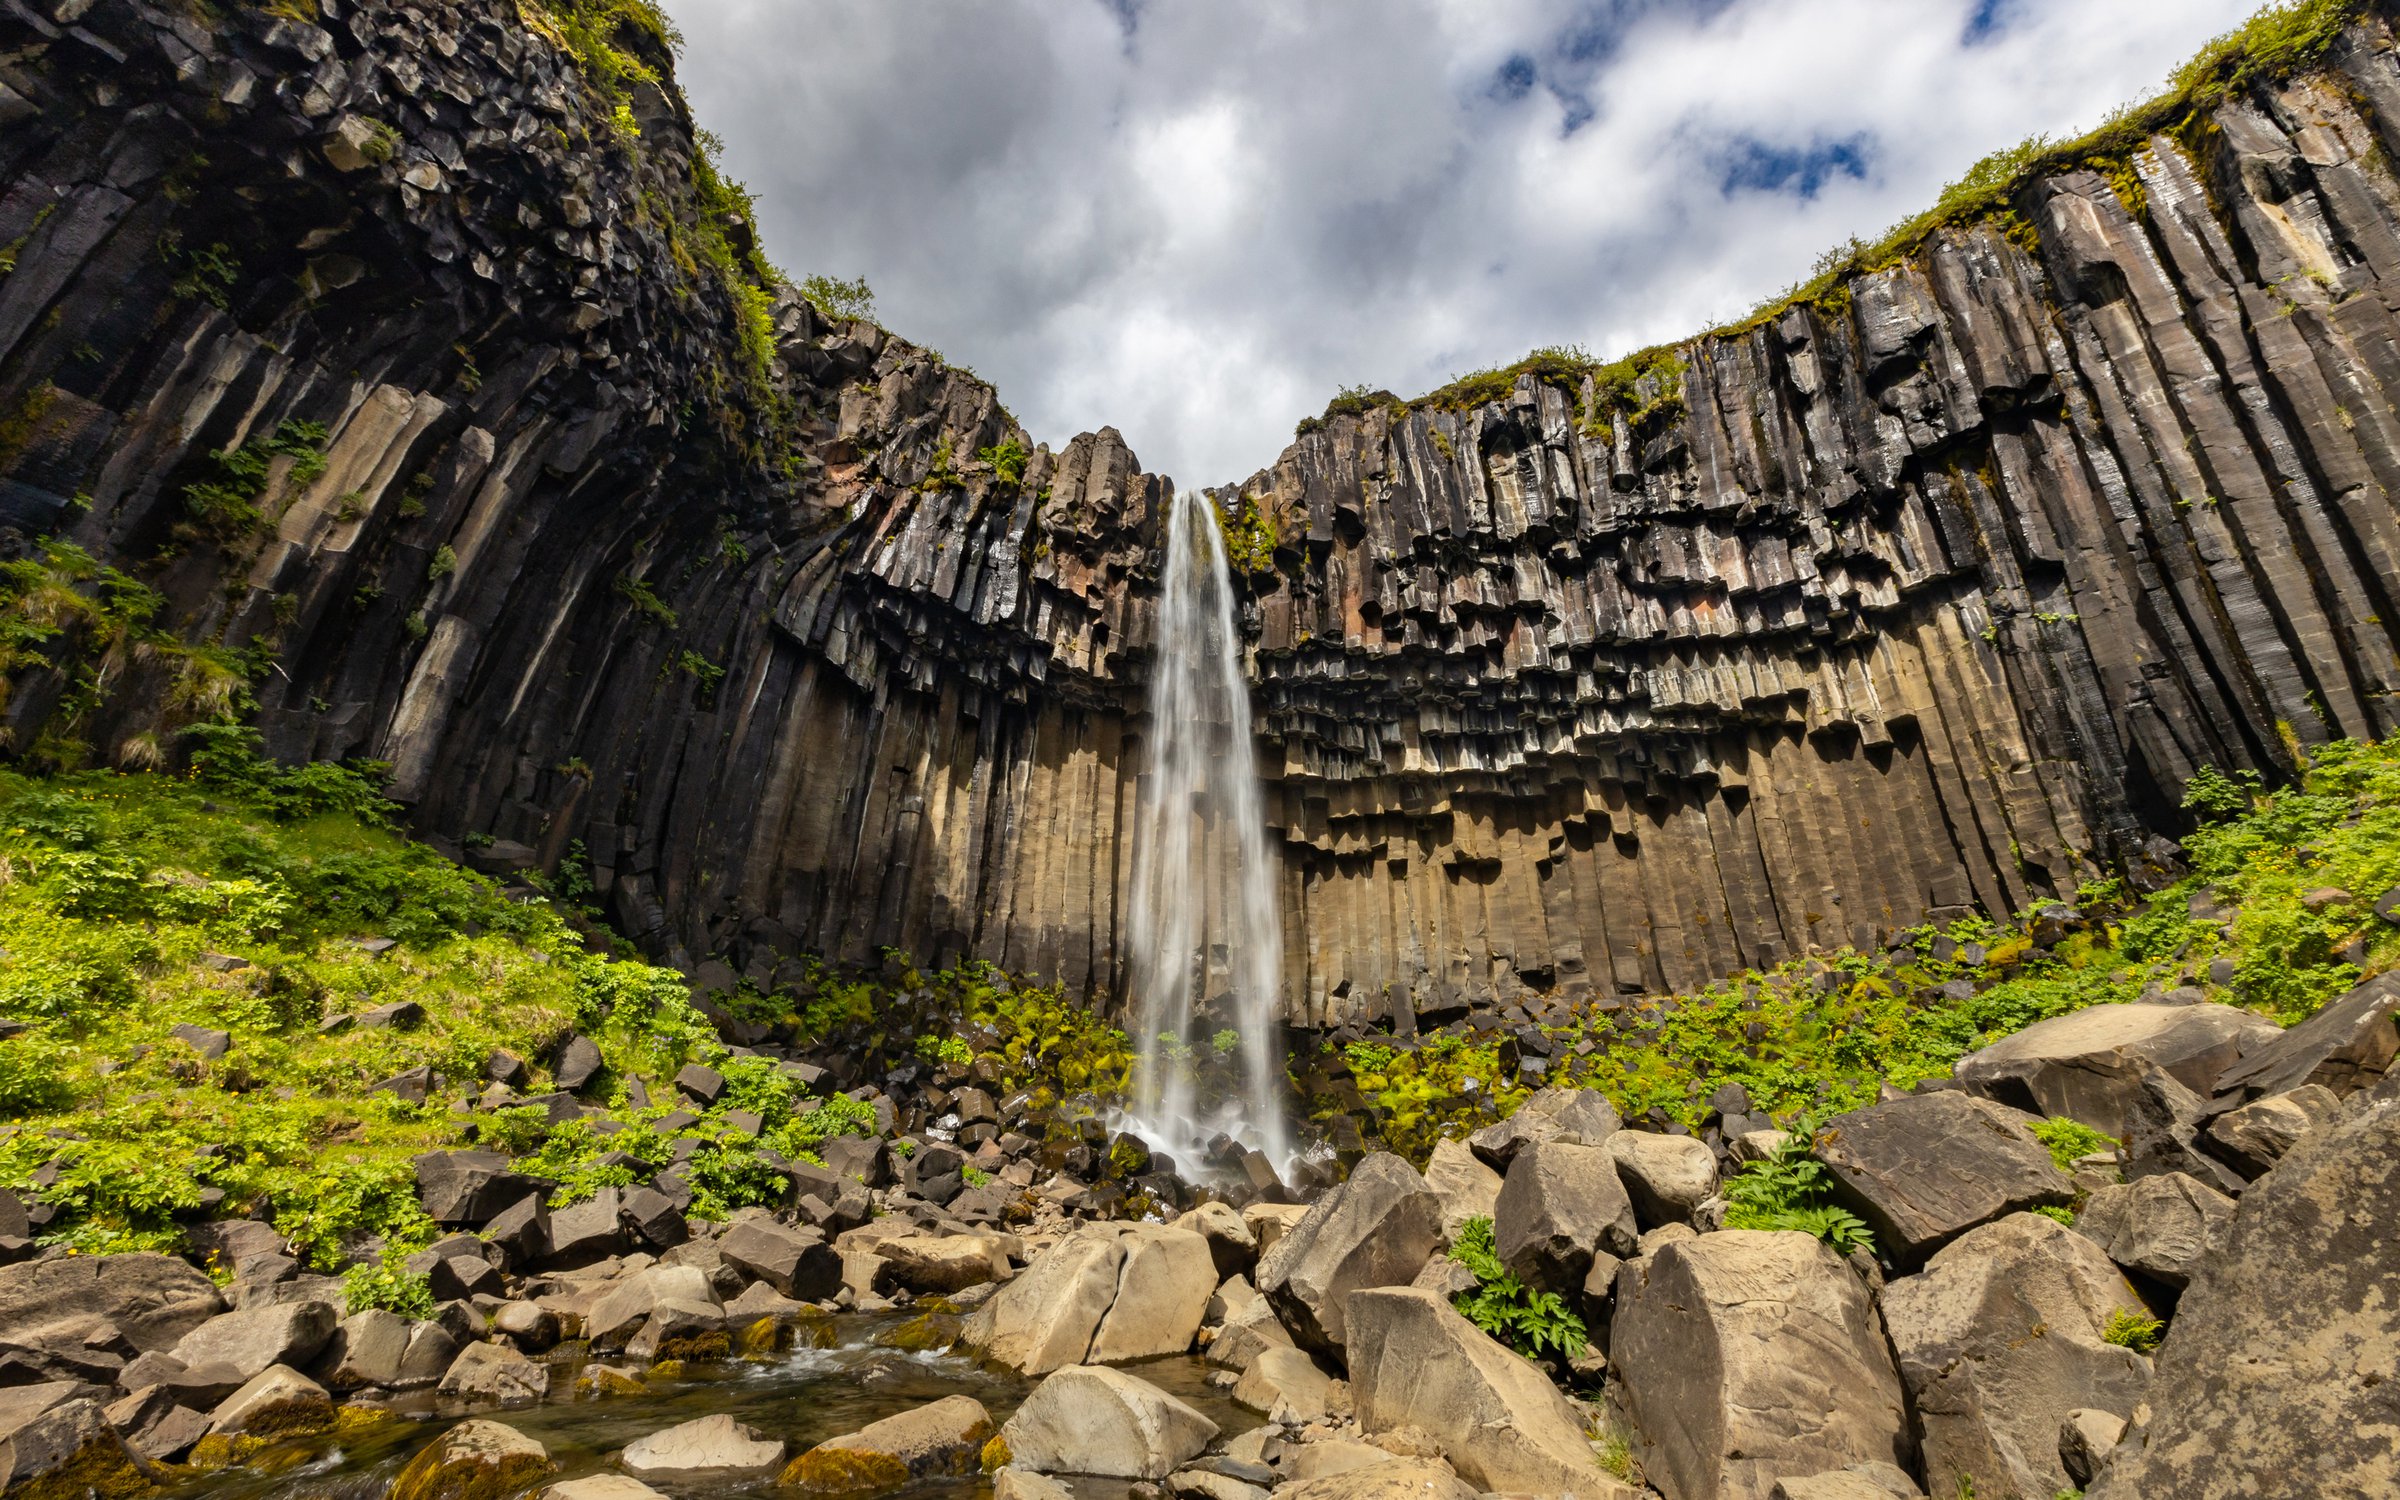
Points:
x=946 y=1437
x=476 y=1460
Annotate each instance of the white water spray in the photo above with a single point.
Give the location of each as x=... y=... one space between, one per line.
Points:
x=1203 y=920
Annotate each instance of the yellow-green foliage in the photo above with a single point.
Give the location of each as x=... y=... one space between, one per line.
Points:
x=1445 y=1086
x=1251 y=536
x=121 y=899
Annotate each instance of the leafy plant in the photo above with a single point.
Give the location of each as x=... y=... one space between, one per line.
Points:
x=2128 y=1329
x=2064 y=1216
x=387 y=1285
x=1533 y=1323
x=839 y=299
x=2070 y=1140
x=1789 y=1189
x=1007 y=461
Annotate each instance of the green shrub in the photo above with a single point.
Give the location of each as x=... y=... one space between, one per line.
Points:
x=1530 y=1322
x=2131 y=1330
x=2070 y=1140
x=1789 y=1189
x=388 y=1286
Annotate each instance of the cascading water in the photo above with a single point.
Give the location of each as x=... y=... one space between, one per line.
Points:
x=1203 y=921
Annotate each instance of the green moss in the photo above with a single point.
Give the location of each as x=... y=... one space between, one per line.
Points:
x=827 y=1470
x=2132 y=1330
x=1251 y=537
x=435 y=1474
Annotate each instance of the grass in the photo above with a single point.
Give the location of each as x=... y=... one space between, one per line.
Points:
x=2299 y=866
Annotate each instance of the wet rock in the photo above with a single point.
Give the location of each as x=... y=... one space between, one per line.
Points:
x=2285 y=1335
x=1023 y=1484
x=1747 y=1355
x=2162 y=1226
x=1999 y=1338
x=602 y=1487
x=497 y=1373
x=276 y=1401
x=713 y=1443
x=2087 y=1064
x=475 y=1460
x=1924 y=1169
x=797 y=1263
x=2255 y=1137
x=945 y=1438
x=1415 y=1363
x=1093 y=1419
x=54 y=1439
x=1560 y=1205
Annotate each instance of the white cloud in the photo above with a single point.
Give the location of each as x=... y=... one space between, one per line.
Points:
x=1194 y=228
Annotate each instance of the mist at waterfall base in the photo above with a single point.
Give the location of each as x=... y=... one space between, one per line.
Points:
x=1205 y=937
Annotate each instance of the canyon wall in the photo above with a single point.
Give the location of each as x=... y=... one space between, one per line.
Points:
x=1925 y=595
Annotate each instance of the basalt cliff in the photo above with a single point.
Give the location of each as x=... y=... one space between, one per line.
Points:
x=446 y=408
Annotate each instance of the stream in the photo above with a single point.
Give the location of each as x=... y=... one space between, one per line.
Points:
x=802 y=1396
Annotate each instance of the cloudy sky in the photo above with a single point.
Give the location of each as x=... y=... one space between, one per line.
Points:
x=1194 y=220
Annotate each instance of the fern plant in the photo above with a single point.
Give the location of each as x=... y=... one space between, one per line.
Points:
x=1788 y=1189
x=1531 y=1322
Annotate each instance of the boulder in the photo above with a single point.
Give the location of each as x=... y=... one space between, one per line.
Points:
x=705 y=1443
x=2085 y=1064
x=1330 y=1456
x=1926 y=1168
x=797 y=1263
x=250 y=1340
x=2345 y=1047
x=938 y=1263
x=2163 y=1125
x=469 y=1187
x=431 y=1351
x=1668 y=1177
x=473 y=1461
x=1249 y=1329
x=1272 y=1221
x=1559 y=1206
x=1580 y=1115
x=602 y=1487
x=2085 y=1440
x=1375 y=1229
x=1390 y=1479
x=1869 y=1481
x=588 y=1231
x=1467 y=1187
x=1286 y=1386
x=1414 y=1362
x=208 y=1041
x=2278 y=1378
x=1231 y=1245
x=528 y=1325
x=578 y=1062
x=677 y=1329
x=275 y=1401
x=1024 y=1484
x=1998 y=1339
x=945 y=1438
x=2159 y=1226
x=55 y=1441
x=155 y=1427
x=151 y=1301
x=613 y=1320
x=365 y=1349
x=1093 y=1419
x=1163 y=1287
x=1746 y=1355
x=498 y=1373
x=2255 y=1137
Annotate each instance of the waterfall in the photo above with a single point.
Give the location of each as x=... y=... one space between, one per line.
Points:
x=1202 y=919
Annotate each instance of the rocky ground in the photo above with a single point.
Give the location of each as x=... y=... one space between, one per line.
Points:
x=1999 y=1338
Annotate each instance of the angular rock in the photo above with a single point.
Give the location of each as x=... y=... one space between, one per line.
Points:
x=1023 y=1484
x=2347 y=1046
x=2162 y=1227
x=613 y=1319
x=2255 y=1137
x=588 y=1231
x=1467 y=1187
x=1924 y=1169
x=578 y=1062
x=365 y=1349
x=209 y=1042
x=1391 y=1479
x=1106 y=1291
x=1747 y=1355
x=254 y=1338
x=945 y=1438
x=54 y=1440
x=432 y=1349
x=152 y=1301
x=275 y=1401
x=1869 y=1481
x=1998 y=1339
x=1163 y=1286
x=1249 y=1329
x=497 y=1373
x=1414 y=1362
x=602 y=1487
x=938 y=1263
x=475 y=1460
x=2276 y=1381
x=2086 y=1064
x=717 y=1443
x=1231 y=1245
x=796 y=1262
x=1560 y=1205
x=2085 y=1440
x=677 y=1329
x=1668 y=1177
x=469 y=1187
x=2163 y=1126
x=1286 y=1386
x=1094 y=1419
x=1375 y=1229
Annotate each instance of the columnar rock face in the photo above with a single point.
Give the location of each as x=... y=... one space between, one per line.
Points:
x=1922 y=595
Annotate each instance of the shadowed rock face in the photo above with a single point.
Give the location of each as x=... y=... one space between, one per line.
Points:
x=1888 y=607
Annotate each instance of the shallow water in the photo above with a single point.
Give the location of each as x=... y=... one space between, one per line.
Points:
x=803 y=1397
